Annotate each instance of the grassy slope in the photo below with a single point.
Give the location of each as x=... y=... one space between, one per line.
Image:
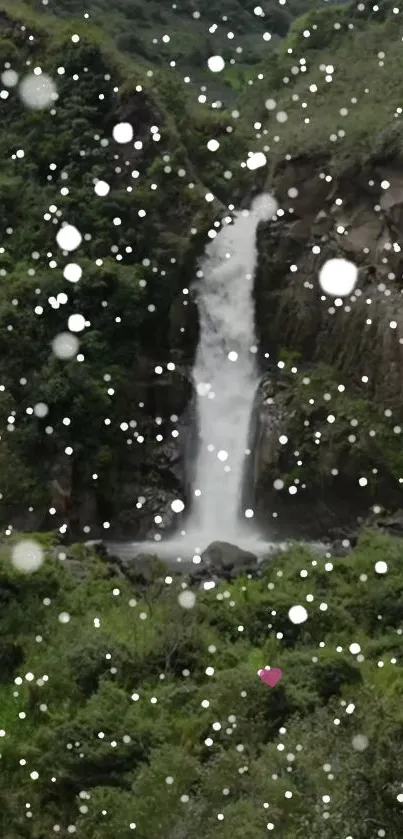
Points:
x=139 y=28
x=372 y=121
x=122 y=698
x=175 y=103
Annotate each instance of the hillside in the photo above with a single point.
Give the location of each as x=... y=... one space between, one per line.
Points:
x=137 y=243
x=104 y=454
x=345 y=109
x=181 y=36
x=335 y=165
x=131 y=711
x=130 y=701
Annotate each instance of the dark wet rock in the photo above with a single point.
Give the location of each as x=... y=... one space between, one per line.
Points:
x=348 y=216
x=345 y=536
x=201 y=574
x=392 y=524
x=340 y=548
x=143 y=569
x=298 y=319
x=61 y=485
x=173 y=462
x=227 y=560
x=137 y=523
x=84 y=514
x=269 y=418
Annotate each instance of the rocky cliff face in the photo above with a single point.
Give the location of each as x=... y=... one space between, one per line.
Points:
x=357 y=216
x=326 y=425
x=344 y=398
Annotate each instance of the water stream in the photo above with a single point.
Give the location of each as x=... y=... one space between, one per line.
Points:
x=225 y=378
x=225 y=375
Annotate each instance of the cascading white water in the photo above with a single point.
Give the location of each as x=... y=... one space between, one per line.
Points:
x=225 y=374
x=225 y=378
x=225 y=395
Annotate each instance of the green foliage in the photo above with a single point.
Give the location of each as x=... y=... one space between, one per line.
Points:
x=139 y=28
x=320 y=24
x=374 y=445
x=135 y=240
x=336 y=32
x=138 y=712
x=121 y=713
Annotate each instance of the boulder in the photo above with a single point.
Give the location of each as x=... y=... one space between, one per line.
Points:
x=141 y=569
x=138 y=523
x=392 y=524
x=227 y=561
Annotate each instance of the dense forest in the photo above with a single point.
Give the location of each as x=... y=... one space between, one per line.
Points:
x=131 y=703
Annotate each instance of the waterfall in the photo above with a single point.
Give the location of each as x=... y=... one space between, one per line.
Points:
x=225 y=374
x=226 y=379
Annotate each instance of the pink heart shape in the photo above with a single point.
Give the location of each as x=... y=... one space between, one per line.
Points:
x=270 y=677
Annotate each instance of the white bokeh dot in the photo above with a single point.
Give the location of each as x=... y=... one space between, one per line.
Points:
x=68 y=237
x=360 y=742
x=381 y=567
x=101 y=188
x=76 y=323
x=9 y=78
x=338 y=277
x=256 y=160
x=187 y=599
x=122 y=132
x=216 y=63
x=27 y=555
x=177 y=506
x=41 y=410
x=297 y=614
x=72 y=272
x=38 y=91
x=65 y=345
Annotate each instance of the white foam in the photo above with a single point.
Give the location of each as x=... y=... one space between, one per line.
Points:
x=187 y=550
x=225 y=375
x=182 y=551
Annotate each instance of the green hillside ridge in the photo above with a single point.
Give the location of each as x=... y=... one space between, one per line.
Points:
x=186 y=32
x=350 y=113
x=123 y=713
